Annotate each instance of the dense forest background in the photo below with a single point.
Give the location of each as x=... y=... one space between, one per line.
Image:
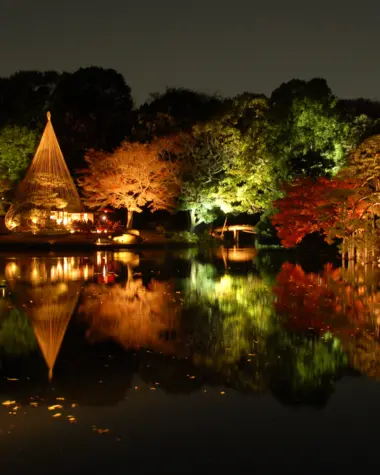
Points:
x=239 y=152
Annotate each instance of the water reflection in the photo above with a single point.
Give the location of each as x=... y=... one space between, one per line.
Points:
x=46 y=292
x=186 y=322
x=133 y=314
x=339 y=302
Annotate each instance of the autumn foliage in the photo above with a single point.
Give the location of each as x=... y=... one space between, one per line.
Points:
x=315 y=206
x=133 y=176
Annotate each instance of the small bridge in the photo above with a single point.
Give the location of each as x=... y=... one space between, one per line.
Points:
x=235 y=229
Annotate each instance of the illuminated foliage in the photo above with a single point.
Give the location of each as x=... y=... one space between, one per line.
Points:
x=134 y=176
x=310 y=136
x=343 y=207
x=250 y=182
x=17 y=146
x=205 y=156
x=364 y=165
x=314 y=206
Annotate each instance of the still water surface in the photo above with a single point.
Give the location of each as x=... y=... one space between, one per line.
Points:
x=187 y=363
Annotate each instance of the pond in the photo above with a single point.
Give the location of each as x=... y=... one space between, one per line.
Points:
x=185 y=362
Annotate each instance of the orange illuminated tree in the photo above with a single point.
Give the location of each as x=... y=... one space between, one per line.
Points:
x=136 y=175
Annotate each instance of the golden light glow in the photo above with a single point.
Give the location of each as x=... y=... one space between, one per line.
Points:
x=42 y=270
x=125 y=239
x=47 y=198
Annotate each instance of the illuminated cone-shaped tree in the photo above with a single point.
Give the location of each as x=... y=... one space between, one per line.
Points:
x=47 y=187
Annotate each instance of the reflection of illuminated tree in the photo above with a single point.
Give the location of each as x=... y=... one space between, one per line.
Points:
x=131 y=314
x=235 y=319
x=16 y=335
x=364 y=354
x=306 y=369
x=303 y=298
x=342 y=302
x=238 y=335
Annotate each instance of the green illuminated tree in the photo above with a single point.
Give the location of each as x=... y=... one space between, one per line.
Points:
x=17 y=146
x=205 y=156
x=310 y=135
x=250 y=182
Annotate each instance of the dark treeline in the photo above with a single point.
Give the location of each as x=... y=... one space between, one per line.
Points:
x=228 y=155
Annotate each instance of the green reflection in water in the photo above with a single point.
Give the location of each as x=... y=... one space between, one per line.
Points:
x=16 y=335
x=237 y=332
x=291 y=334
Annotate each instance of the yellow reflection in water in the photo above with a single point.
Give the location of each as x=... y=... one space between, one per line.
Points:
x=133 y=314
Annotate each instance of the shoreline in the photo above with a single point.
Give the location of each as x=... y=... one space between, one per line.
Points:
x=11 y=242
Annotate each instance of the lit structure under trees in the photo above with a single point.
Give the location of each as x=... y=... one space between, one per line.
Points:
x=46 y=199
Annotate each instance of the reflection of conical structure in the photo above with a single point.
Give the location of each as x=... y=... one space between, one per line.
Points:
x=50 y=324
x=49 y=309
x=47 y=187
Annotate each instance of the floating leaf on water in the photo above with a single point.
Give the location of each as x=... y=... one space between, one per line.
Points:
x=60 y=398
x=56 y=406
x=58 y=414
x=74 y=405
x=8 y=403
x=222 y=393
x=99 y=430
x=13 y=379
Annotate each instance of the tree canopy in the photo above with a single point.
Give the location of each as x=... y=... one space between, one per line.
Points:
x=134 y=176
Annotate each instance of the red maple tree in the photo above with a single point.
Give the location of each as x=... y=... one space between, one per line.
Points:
x=315 y=206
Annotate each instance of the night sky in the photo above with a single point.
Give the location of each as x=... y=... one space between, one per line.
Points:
x=209 y=45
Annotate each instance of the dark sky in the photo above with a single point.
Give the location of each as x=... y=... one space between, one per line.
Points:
x=210 y=45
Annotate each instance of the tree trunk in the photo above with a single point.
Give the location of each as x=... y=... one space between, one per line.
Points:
x=130 y=274
x=129 y=219
x=192 y=220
